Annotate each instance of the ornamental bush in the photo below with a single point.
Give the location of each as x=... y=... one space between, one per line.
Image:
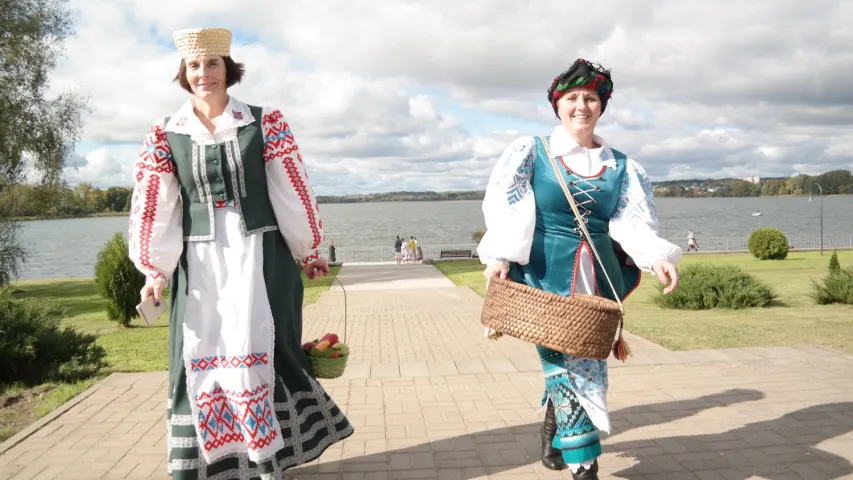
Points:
x=837 y=287
x=834 y=266
x=768 y=244
x=35 y=348
x=118 y=280
x=478 y=235
x=707 y=286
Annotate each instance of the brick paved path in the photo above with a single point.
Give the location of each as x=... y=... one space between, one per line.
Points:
x=432 y=399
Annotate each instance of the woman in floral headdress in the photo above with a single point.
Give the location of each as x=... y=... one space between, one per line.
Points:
x=221 y=207
x=533 y=237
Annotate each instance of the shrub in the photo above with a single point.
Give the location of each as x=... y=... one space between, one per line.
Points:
x=118 y=280
x=837 y=287
x=768 y=244
x=478 y=235
x=34 y=348
x=706 y=286
x=834 y=266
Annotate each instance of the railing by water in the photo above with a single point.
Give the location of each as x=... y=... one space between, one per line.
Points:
x=706 y=244
x=386 y=254
x=795 y=242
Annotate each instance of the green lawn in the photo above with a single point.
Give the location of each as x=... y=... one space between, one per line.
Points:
x=795 y=321
x=129 y=349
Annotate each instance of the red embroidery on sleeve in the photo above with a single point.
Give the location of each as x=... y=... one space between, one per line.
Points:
x=279 y=143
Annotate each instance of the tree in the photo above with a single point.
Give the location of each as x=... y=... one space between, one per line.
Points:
x=118 y=280
x=33 y=127
x=117 y=198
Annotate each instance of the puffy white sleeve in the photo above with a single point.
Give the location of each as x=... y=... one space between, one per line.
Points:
x=509 y=208
x=293 y=202
x=155 y=234
x=634 y=223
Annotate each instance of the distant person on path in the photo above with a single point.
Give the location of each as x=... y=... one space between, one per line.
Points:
x=221 y=206
x=532 y=237
x=412 y=249
x=405 y=253
x=420 y=253
x=332 y=256
x=691 y=241
x=398 y=254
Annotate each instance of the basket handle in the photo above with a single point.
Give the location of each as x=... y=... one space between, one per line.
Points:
x=345 y=307
x=580 y=219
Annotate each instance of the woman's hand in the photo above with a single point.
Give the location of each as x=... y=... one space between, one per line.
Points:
x=153 y=286
x=317 y=269
x=496 y=270
x=666 y=271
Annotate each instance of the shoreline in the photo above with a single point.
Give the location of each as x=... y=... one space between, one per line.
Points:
x=69 y=217
x=125 y=214
x=827 y=252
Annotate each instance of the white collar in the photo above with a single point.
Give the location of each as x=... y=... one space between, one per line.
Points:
x=184 y=121
x=562 y=145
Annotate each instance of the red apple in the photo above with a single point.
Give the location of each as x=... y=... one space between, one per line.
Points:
x=307 y=346
x=331 y=337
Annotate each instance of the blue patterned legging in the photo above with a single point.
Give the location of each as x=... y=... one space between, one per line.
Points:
x=576 y=435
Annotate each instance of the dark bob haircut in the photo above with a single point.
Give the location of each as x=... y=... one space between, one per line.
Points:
x=233 y=73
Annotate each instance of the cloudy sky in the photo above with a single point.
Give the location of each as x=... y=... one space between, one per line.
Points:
x=425 y=95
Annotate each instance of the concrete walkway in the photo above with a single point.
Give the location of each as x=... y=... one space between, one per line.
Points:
x=431 y=398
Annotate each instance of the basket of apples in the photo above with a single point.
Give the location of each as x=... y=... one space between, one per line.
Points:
x=327 y=355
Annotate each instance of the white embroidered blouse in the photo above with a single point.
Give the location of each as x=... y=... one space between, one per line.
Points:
x=155 y=234
x=510 y=219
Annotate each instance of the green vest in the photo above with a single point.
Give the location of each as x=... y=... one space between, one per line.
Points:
x=232 y=170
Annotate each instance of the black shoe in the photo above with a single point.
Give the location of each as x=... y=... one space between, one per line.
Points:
x=590 y=473
x=552 y=458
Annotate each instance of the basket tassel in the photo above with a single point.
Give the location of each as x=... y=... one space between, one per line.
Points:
x=620 y=348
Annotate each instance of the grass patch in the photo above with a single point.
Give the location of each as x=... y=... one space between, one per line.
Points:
x=795 y=320
x=135 y=348
x=315 y=288
x=21 y=406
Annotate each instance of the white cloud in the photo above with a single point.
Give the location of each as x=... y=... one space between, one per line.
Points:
x=386 y=95
x=103 y=167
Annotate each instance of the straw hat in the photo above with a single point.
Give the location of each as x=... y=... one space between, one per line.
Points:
x=197 y=42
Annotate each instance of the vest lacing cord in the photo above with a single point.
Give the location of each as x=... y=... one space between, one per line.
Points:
x=580 y=183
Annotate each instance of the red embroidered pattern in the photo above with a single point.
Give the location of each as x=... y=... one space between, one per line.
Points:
x=224 y=361
x=149 y=213
x=224 y=203
x=227 y=417
x=155 y=159
x=157 y=155
x=279 y=143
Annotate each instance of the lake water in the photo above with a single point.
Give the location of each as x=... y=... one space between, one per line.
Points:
x=68 y=248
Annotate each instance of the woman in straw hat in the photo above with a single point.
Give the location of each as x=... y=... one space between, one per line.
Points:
x=222 y=204
x=533 y=237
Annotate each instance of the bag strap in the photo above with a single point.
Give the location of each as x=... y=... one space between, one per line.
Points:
x=580 y=219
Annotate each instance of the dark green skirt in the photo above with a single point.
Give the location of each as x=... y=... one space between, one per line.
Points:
x=310 y=420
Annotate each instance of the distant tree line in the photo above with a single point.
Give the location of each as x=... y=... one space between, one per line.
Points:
x=836 y=182
x=57 y=200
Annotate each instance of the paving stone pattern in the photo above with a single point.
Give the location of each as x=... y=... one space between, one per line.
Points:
x=431 y=398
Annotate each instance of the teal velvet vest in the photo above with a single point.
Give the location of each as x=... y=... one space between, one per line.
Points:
x=233 y=170
x=557 y=238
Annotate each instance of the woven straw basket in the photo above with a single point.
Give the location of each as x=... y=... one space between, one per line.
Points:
x=581 y=325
